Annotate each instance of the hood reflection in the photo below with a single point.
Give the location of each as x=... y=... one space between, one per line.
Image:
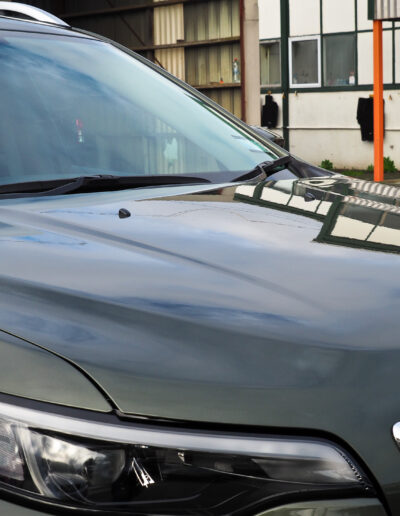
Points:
x=354 y=213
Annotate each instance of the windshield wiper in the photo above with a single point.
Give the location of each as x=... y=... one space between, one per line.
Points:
x=266 y=168
x=269 y=167
x=98 y=183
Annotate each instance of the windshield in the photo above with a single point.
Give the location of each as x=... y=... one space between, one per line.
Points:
x=75 y=106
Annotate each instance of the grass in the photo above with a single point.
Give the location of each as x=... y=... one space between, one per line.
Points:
x=391 y=173
x=355 y=173
x=368 y=175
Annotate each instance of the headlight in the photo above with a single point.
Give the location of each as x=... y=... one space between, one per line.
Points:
x=145 y=470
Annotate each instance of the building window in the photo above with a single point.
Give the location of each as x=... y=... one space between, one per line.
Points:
x=304 y=56
x=339 y=60
x=270 y=63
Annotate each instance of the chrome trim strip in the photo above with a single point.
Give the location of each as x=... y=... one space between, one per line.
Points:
x=33 y=12
x=174 y=439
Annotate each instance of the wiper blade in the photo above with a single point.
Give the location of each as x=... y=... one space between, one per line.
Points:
x=98 y=183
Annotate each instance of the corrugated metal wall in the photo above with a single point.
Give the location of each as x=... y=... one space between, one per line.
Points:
x=168 y=24
x=133 y=29
x=386 y=9
x=172 y=60
x=196 y=40
x=120 y=28
x=212 y=20
x=169 y=30
x=211 y=65
x=229 y=99
x=77 y=6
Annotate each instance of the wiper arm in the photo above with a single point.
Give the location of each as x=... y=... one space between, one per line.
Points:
x=266 y=167
x=270 y=166
x=86 y=184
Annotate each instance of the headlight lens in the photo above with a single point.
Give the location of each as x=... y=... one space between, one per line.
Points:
x=143 y=470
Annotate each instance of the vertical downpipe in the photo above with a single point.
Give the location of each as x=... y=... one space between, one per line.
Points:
x=378 y=102
x=285 y=70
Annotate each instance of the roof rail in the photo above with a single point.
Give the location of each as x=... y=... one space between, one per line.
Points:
x=34 y=13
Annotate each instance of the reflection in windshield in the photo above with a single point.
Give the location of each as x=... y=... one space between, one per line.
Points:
x=354 y=213
x=75 y=106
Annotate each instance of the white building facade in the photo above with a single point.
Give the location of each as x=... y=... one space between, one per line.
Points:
x=317 y=61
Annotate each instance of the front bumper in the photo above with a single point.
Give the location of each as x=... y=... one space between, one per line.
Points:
x=350 y=507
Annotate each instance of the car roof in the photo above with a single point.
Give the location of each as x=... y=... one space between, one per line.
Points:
x=20 y=25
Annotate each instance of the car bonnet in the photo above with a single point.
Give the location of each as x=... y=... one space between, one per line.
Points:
x=244 y=304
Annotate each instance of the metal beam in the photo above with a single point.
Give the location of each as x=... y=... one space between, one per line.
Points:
x=183 y=44
x=125 y=9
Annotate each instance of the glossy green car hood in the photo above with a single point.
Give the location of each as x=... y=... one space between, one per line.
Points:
x=28 y=371
x=273 y=305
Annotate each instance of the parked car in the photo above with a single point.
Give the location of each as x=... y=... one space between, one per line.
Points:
x=193 y=321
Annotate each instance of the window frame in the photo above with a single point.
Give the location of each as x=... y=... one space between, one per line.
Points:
x=266 y=42
x=302 y=85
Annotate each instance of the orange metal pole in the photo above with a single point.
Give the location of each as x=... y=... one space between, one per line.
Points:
x=378 y=102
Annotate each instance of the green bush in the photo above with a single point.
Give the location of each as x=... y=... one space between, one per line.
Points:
x=388 y=165
x=326 y=164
